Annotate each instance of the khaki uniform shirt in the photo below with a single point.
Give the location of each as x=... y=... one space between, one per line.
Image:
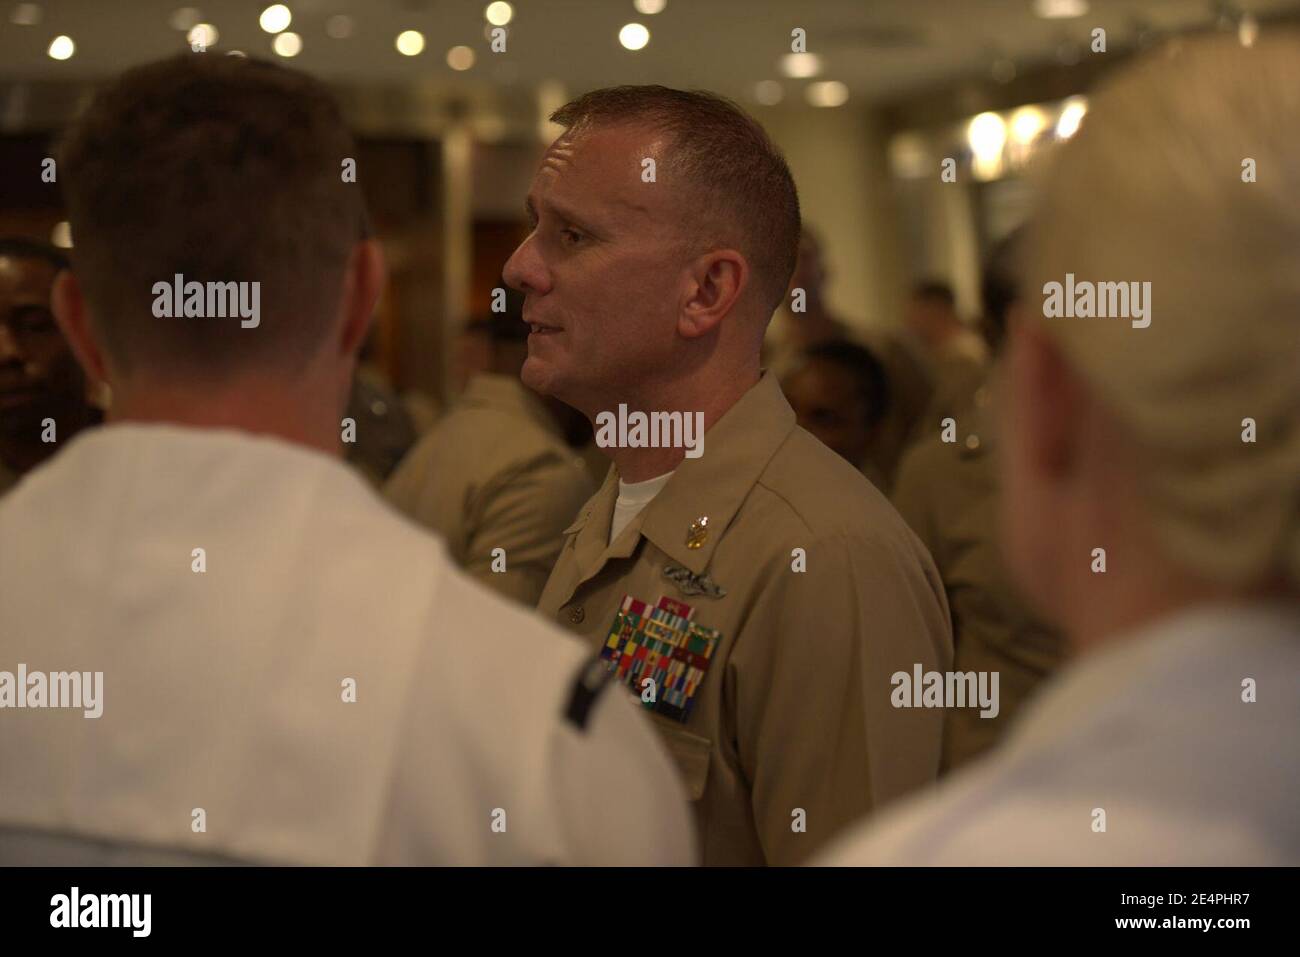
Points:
x=790 y=733
x=948 y=494
x=495 y=473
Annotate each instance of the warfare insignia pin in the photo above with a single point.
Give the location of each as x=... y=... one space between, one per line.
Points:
x=692 y=584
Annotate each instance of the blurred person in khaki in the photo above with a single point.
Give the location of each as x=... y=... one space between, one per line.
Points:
x=42 y=391
x=1171 y=740
x=279 y=649
x=497 y=478
x=948 y=492
x=756 y=597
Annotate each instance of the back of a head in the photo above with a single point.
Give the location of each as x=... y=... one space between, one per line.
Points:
x=741 y=191
x=1155 y=188
x=866 y=371
x=220 y=169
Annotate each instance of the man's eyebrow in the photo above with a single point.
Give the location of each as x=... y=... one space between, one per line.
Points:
x=565 y=213
x=635 y=207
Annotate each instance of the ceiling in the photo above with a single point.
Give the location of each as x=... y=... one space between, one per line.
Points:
x=881 y=49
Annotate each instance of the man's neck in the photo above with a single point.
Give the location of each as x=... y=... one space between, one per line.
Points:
x=712 y=398
x=1108 y=607
x=282 y=413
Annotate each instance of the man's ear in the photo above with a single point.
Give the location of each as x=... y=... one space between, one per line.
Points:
x=1049 y=398
x=363 y=282
x=69 y=307
x=715 y=282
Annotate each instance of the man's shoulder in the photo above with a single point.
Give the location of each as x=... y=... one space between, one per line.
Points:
x=498 y=437
x=807 y=485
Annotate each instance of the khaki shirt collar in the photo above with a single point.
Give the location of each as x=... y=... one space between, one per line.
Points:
x=507 y=394
x=736 y=451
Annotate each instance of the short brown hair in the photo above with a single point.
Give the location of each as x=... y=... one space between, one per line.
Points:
x=741 y=176
x=221 y=168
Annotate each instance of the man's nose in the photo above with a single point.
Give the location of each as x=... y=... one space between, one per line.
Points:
x=9 y=351
x=524 y=270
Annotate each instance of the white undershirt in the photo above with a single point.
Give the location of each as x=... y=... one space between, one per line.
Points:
x=632 y=498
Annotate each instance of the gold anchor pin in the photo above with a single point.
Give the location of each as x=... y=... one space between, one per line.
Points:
x=698 y=533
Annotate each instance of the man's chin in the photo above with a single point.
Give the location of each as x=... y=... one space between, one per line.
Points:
x=538 y=376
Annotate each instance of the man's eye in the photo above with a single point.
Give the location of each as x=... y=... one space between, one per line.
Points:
x=571 y=237
x=34 y=320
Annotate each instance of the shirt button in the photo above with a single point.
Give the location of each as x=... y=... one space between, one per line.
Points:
x=577 y=615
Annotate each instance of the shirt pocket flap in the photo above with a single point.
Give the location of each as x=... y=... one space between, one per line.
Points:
x=690 y=751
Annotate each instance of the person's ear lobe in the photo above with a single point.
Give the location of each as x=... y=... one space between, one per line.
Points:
x=69 y=308
x=363 y=283
x=716 y=280
x=1049 y=399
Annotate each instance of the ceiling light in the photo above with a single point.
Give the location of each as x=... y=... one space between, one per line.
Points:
x=275 y=18
x=409 y=42
x=801 y=65
x=339 y=26
x=287 y=44
x=61 y=48
x=1060 y=9
x=633 y=36
x=26 y=15
x=499 y=14
x=184 y=19
x=202 y=35
x=460 y=58
x=827 y=93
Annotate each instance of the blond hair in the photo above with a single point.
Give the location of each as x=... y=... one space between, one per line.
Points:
x=1154 y=188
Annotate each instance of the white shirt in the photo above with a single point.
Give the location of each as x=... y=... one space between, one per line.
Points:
x=223 y=690
x=1152 y=730
x=633 y=497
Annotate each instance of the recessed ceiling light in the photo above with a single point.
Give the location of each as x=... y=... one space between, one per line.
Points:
x=633 y=36
x=61 y=48
x=26 y=15
x=275 y=18
x=801 y=65
x=498 y=14
x=339 y=26
x=409 y=42
x=827 y=93
x=287 y=44
x=649 y=7
x=184 y=19
x=1060 y=9
x=202 y=35
x=460 y=58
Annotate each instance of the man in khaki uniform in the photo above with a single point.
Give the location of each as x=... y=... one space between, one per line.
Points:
x=948 y=492
x=496 y=477
x=757 y=594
